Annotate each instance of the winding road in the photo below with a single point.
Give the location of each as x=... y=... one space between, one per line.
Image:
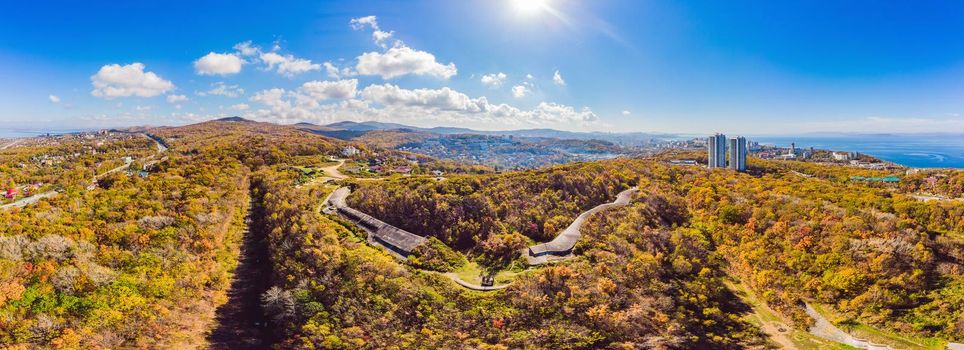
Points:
x=823 y=328
x=560 y=248
x=28 y=200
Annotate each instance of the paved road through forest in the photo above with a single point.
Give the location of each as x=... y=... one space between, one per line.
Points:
x=566 y=240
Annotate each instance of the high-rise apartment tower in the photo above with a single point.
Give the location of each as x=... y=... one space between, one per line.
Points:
x=737 y=153
x=716 y=146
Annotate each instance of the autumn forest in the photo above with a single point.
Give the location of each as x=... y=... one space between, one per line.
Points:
x=215 y=235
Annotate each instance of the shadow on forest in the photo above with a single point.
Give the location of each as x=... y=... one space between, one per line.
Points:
x=241 y=321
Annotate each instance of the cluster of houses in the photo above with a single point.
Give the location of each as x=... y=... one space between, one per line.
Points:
x=503 y=151
x=384 y=165
x=791 y=153
x=27 y=190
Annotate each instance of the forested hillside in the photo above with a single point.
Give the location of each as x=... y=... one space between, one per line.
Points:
x=145 y=256
x=876 y=255
x=136 y=260
x=338 y=292
x=464 y=211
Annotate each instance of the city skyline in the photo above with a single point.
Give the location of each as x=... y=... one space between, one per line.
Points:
x=754 y=68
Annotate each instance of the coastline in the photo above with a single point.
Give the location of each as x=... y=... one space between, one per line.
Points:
x=913 y=151
x=10 y=134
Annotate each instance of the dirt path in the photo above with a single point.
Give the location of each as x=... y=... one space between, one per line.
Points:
x=332 y=170
x=472 y=286
x=241 y=321
x=776 y=331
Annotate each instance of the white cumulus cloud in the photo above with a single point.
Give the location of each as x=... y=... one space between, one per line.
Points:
x=557 y=79
x=519 y=91
x=389 y=102
x=307 y=102
x=494 y=80
x=218 y=64
x=240 y=107
x=222 y=89
x=455 y=106
x=247 y=49
x=440 y=99
x=114 y=80
x=330 y=90
x=403 y=60
x=338 y=73
x=379 y=36
x=53 y=99
x=284 y=64
x=396 y=61
x=363 y=22
x=626 y=113
x=288 y=65
x=176 y=98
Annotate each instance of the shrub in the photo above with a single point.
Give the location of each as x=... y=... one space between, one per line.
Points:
x=155 y=222
x=279 y=304
x=435 y=255
x=65 y=278
x=500 y=249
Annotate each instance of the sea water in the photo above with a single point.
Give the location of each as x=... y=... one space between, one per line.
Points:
x=18 y=133
x=912 y=150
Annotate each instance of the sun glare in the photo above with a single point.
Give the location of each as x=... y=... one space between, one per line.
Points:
x=529 y=7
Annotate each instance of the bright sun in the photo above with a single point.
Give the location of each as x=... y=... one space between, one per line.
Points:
x=529 y=7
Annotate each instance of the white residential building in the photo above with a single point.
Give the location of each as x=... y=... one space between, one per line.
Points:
x=716 y=147
x=350 y=151
x=737 y=153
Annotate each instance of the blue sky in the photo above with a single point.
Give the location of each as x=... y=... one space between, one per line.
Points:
x=753 y=67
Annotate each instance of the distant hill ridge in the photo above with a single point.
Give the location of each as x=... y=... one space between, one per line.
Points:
x=354 y=128
x=234 y=119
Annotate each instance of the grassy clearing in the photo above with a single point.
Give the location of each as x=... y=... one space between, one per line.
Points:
x=313 y=161
x=357 y=169
x=472 y=272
